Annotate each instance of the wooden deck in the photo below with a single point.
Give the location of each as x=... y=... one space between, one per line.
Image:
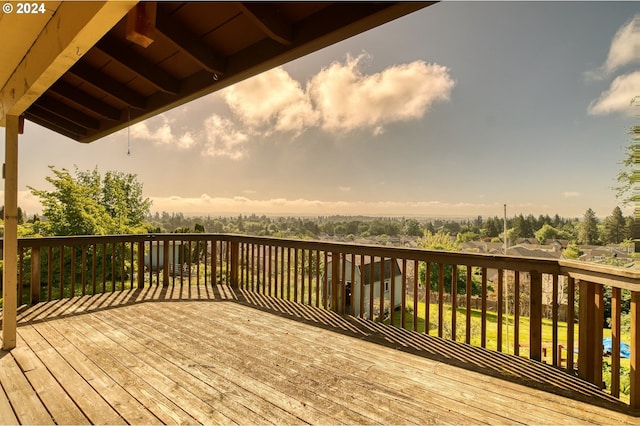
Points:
x=210 y=355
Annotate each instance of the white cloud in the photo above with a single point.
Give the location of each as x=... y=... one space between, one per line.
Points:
x=624 y=50
x=163 y=134
x=271 y=101
x=339 y=98
x=344 y=188
x=223 y=139
x=570 y=194
x=206 y=204
x=346 y=99
x=618 y=97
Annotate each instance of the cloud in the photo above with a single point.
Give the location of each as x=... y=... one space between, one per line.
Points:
x=271 y=101
x=624 y=50
x=222 y=139
x=347 y=99
x=163 y=134
x=206 y=204
x=618 y=97
x=570 y=194
x=339 y=98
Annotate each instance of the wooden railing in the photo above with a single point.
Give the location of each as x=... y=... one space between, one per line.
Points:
x=519 y=299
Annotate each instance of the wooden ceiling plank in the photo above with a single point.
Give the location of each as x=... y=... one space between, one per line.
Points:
x=141 y=23
x=192 y=46
x=70 y=33
x=80 y=98
x=108 y=85
x=271 y=23
x=142 y=68
x=67 y=113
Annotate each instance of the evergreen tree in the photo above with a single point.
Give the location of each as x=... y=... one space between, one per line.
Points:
x=588 y=228
x=615 y=228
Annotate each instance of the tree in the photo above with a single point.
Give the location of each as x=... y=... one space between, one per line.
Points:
x=545 y=233
x=443 y=241
x=89 y=204
x=588 y=228
x=615 y=228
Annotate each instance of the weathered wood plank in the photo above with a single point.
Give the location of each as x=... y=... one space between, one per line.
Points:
x=155 y=401
x=60 y=406
x=27 y=406
x=128 y=407
x=7 y=416
x=92 y=404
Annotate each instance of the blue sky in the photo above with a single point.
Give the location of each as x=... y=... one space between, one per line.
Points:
x=454 y=110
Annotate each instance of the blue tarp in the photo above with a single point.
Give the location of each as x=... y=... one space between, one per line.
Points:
x=624 y=347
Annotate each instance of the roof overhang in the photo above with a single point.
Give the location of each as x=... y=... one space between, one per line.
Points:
x=88 y=69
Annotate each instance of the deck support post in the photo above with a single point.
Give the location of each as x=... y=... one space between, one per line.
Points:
x=635 y=353
x=535 y=315
x=10 y=248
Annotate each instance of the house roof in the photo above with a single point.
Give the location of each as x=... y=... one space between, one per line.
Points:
x=88 y=69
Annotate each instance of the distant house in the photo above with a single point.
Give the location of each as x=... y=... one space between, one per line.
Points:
x=363 y=270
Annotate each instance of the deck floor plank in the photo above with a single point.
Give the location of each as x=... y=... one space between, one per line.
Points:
x=116 y=395
x=61 y=407
x=215 y=355
x=159 y=403
x=94 y=407
x=26 y=404
x=247 y=373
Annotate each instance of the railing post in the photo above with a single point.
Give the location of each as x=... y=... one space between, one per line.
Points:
x=35 y=275
x=635 y=353
x=590 y=332
x=335 y=280
x=141 y=264
x=166 y=262
x=235 y=253
x=535 y=316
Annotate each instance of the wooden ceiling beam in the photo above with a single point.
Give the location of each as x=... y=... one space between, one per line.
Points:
x=124 y=55
x=66 y=112
x=73 y=29
x=81 y=99
x=52 y=126
x=108 y=85
x=270 y=22
x=188 y=43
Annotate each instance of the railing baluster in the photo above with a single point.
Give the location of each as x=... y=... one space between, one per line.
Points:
x=427 y=297
x=392 y=288
x=500 y=309
x=440 y=299
x=454 y=301
x=570 y=325
x=554 y=320
x=634 y=362
x=403 y=302
x=516 y=313
x=61 y=286
x=382 y=289
x=468 y=295
x=415 y=295
x=49 y=273
x=483 y=329
x=616 y=294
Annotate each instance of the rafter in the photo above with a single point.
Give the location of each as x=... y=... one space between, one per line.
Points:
x=80 y=98
x=188 y=43
x=108 y=85
x=270 y=22
x=142 y=68
x=67 y=113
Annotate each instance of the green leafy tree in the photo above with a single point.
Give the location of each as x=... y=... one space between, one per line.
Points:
x=89 y=204
x=572 y=251
x=588 y=228
x=443 y=241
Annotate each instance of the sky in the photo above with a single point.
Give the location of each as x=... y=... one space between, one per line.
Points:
x=454 y=110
